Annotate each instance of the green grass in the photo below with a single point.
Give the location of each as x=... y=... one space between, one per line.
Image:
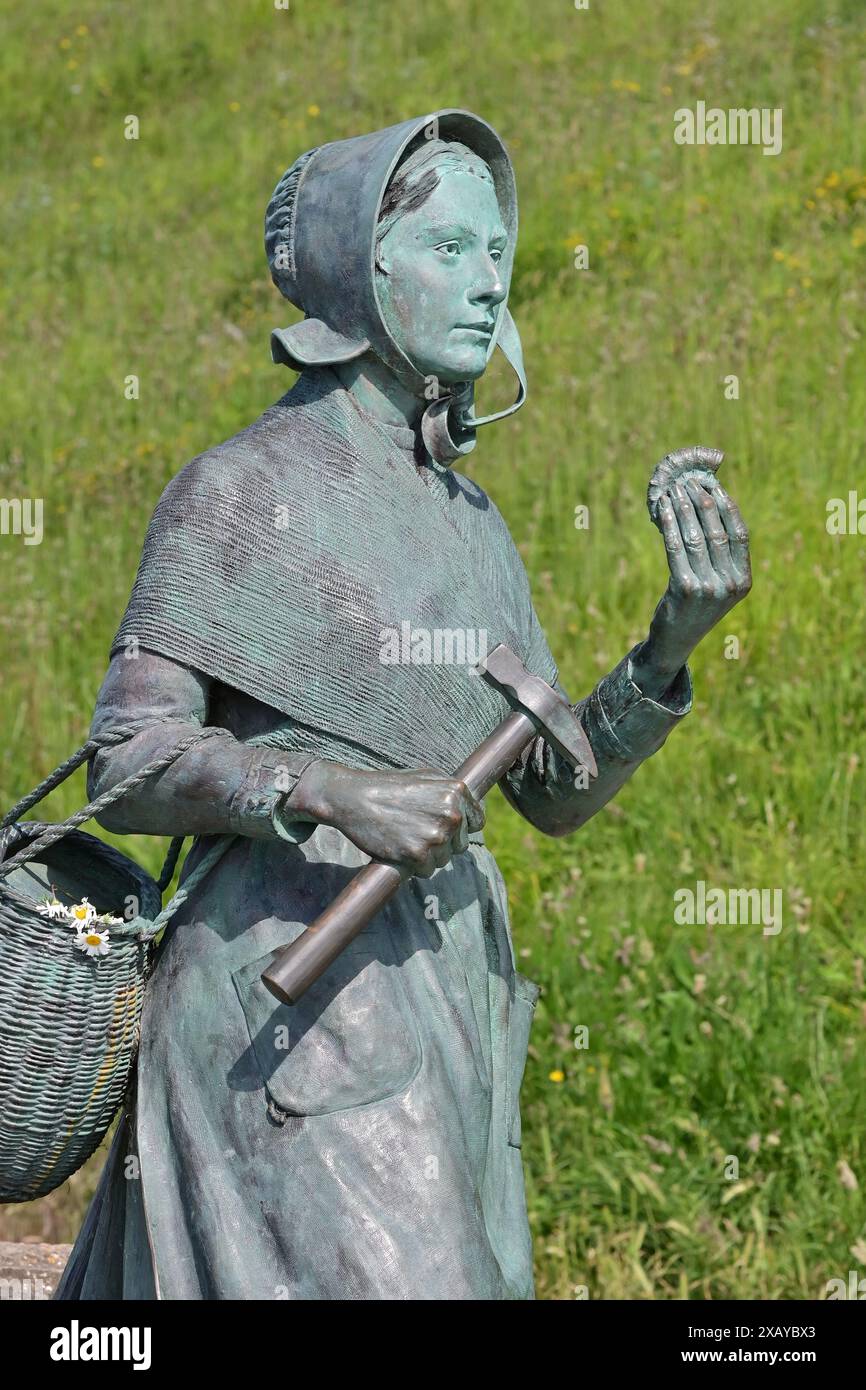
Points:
x=145 y=257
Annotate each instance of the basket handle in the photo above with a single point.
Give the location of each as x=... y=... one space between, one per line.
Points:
x=192 y=881
x=65 y=770
x=56 y=832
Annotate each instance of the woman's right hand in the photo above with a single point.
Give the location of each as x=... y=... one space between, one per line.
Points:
x=414 y=820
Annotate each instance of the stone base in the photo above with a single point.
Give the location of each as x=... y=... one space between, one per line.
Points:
x=30 y=1271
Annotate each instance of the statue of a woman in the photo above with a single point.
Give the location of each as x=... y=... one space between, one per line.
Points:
x=365 y=1142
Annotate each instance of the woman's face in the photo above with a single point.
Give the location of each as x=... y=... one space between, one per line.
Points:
x=439 y=282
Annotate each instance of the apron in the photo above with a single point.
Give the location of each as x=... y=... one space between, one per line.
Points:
x=361 y=1144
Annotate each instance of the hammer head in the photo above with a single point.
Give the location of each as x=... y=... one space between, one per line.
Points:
x=554 y=715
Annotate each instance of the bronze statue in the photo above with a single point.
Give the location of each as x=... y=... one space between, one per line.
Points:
x=363 y=1141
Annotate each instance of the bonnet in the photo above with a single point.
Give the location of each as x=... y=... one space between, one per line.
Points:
x=320 y=238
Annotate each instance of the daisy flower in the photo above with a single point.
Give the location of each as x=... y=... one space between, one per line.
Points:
x=92 y=942
x=54 y=909
x=82 y=914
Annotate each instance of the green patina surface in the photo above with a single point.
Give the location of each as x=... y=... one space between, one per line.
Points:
x=703 y=262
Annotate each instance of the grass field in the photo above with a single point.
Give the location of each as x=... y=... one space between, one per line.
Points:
x=144 y=257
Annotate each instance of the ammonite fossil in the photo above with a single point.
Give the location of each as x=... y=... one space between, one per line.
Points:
x=697 y=461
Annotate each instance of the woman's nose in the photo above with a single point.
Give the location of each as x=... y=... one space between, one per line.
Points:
x=489 y=286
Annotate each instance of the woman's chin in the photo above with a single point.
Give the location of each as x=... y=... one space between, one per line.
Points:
x=465 y=366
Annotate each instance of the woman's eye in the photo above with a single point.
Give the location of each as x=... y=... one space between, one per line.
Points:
x=451 y=248
x=495 y=256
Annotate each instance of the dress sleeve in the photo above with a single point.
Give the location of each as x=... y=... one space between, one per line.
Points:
x=218 y=786
x=624 y=727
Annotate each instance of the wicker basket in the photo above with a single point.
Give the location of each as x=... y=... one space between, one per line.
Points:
x=69 y=1023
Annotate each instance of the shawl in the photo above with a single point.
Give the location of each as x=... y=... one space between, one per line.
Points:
x=303 y=561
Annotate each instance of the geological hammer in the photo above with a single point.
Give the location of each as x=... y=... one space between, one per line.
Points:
x=539 y=709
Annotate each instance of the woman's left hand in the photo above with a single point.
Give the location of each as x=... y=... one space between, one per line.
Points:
x=707 y=547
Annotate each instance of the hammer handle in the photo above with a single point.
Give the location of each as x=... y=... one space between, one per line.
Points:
x=296 y=967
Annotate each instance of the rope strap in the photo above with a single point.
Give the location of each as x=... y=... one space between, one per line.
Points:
x=168 y=868
x=117 y=735
x=63 y=771
x=192 y=881
x=93 y=745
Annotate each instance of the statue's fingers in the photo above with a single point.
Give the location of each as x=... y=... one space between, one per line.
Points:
x=737 y=531
x=678 y=564
x=460 y=838
x=718 y=546
x=697 y=457
x=473 y=810
x=692 y=533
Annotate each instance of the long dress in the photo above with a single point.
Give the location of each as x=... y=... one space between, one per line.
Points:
x=366 y=1142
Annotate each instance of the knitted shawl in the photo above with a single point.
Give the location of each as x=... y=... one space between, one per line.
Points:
x=309 y=563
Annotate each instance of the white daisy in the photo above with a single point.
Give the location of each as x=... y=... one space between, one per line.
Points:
x=80 y=915
x=54 y=909
x=92 y=942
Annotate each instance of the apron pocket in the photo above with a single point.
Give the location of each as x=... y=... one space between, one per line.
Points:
x=351 y=1040
x=520 y=1015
